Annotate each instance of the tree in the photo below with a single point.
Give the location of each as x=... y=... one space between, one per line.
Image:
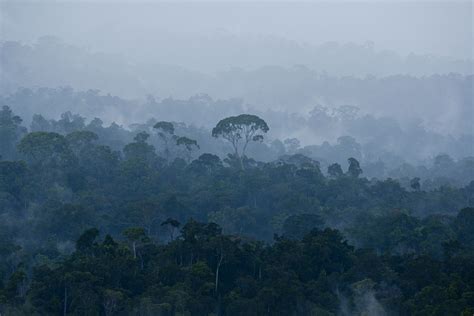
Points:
x=13 y=177
x=141 y=137
x=206 y=163
x=10 y=133
x=188 y=144
x=297 y=226
x=111 y=301
x=173 y=226
x=347 y=147
x=45 y=150
x=354 y=169
x=99 y=162
x=234 y=220
x=69 y=123
x=136 y=235
x=16 y=286
x=81 y=140
x=239 y=129
x=86 y=241
x=415 y=184
x=335 y=170
x=166 y=134
x=140 y=150
x=464 y=225
x=40 y=124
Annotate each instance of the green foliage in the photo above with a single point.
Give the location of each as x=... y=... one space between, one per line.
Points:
x=13 y=177
x=464 y=226
x=81 y=139
x=11 y=132
x=87 y=239
x=187 y=142
x=164 y=127
x=354 y=168
x=415 y=184
x=257 y=240
x=296 y=226
x=140 y=150
x=335 y=170
x=243 y=127
x=46 y=150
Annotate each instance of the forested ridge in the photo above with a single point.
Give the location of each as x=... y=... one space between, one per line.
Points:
x=92 y=226
x=384 y=146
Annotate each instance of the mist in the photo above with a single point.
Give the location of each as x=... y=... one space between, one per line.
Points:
x=397 y=68
x=436 y=28
x=236 y=157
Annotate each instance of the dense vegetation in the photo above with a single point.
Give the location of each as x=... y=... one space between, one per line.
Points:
x=384 y=146
x=92 y=226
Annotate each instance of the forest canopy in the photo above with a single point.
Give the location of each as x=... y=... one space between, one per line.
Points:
x=106 y=220
x=225 y=158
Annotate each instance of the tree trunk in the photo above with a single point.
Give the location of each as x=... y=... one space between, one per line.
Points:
x=171 y=233
x=241 y=162
x=245 y=147
x=217 y=271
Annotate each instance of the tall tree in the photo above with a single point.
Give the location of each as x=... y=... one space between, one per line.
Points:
x=188 y=144
x=10 y=132
x=140 y=150
x=166 y=134
x=335 y=170
x=136 y=236
x=240 y=131
x=172 y=225
x=354 y=168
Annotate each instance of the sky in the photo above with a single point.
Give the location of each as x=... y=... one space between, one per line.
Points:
x=442 y=28
x=238 y=49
